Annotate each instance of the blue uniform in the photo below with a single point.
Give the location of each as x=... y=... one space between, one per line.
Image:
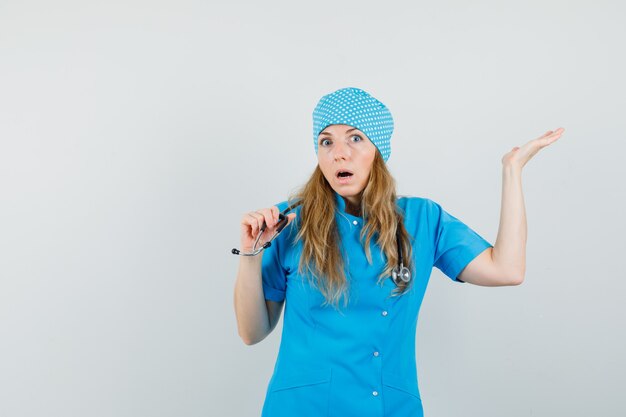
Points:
x=360 y=361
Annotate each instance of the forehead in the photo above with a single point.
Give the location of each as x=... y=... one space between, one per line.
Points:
x=339 y=129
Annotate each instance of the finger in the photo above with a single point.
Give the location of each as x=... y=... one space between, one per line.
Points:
x=559 y=132
x=556 y=132
x=272 y=216
x=548 y=140
x=259 y=221
x=251 y=221
x=264 y=219
x=248 y=222
x=268 y=218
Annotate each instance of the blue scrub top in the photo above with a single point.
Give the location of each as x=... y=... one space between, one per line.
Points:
x=360 y=361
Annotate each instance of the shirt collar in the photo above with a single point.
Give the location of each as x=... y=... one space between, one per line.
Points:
x=341 y=206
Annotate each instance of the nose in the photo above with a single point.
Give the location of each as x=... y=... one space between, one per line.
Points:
x=342 y=150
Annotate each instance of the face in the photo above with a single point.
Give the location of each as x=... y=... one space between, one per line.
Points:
x=343 y=148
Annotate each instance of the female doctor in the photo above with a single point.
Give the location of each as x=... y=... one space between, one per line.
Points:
x=350 y=261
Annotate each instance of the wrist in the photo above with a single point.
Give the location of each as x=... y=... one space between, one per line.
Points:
x=511 y=169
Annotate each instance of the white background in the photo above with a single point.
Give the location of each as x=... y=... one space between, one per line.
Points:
x=135 y=134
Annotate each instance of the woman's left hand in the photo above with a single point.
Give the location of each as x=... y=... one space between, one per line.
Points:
x=519 y=156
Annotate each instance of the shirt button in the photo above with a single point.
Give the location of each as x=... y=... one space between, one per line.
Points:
x=355 y=222
x=384 y=313
x=376 y=353
x=374 y=393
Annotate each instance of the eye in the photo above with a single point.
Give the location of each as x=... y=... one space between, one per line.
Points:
x=357 y=136
x=322 y=141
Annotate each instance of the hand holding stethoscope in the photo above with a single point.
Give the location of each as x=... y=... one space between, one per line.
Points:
x=269 y=222
x=263 y=224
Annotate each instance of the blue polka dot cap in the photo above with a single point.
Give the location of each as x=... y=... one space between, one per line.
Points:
x=355 y=107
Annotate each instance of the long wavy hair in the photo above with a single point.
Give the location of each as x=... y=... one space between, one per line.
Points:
x=318 y=230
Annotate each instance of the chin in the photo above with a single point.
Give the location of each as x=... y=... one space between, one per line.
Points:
x=349 y=191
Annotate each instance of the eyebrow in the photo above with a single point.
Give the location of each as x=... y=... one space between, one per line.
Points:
x=329 y=134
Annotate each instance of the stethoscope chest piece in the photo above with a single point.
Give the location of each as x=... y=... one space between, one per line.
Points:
x=400 y=273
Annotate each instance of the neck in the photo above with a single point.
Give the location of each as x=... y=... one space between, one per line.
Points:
x=353 y=208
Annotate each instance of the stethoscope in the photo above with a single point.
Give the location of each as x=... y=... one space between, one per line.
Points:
x=399 y=273
x=280 y=225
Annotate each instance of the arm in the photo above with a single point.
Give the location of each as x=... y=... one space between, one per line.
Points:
x=250 y=308
x=256 y=317
x=505 y=263
x=255 y=311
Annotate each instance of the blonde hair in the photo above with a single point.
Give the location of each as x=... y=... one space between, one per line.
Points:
x=318 y=230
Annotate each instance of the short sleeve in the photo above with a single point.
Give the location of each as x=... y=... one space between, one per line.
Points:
x=273 y=273
x=456 y=244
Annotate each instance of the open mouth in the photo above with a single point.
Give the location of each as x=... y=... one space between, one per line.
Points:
x=344 y=174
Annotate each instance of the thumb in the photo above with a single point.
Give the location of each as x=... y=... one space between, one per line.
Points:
x=290 y=217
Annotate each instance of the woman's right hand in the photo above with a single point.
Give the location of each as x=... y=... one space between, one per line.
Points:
x=252 y=222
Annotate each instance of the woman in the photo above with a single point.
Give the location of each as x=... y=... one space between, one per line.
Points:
x=354 y=266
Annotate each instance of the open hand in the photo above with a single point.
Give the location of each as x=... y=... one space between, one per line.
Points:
x=518 y=157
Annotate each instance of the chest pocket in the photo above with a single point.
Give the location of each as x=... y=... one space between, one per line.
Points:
x=297 y=392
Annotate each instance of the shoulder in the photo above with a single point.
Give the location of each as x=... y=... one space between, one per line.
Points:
x=420 y=212
x=282 y=208
x=283 y=205
x=412 y=204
